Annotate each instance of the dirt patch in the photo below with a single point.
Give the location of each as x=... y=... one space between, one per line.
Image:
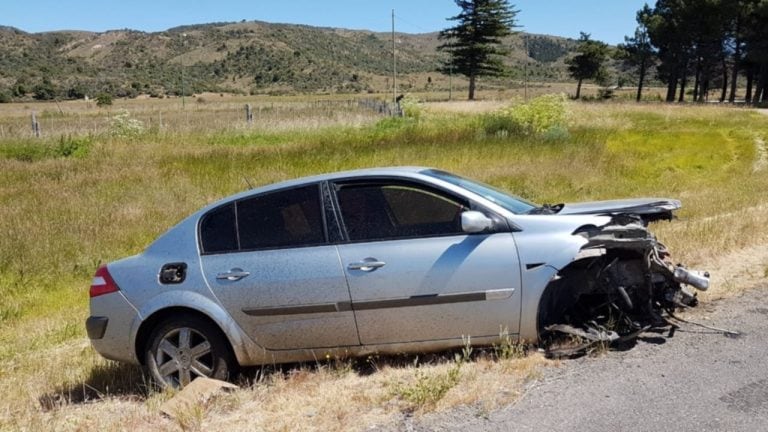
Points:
x=738 y=271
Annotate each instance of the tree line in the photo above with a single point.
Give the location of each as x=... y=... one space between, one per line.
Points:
x=701 y=46
x=695 y=46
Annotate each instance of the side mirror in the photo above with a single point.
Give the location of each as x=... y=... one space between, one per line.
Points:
x=475 y=222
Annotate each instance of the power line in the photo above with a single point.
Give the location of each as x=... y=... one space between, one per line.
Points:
x=414 y=25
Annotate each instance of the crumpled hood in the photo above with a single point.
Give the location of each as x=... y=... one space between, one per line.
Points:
x=648 y=208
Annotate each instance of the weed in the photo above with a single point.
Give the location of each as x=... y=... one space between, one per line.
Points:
x=411 y=107
x=122 y=125
x=428 y=388
x=466 y=350
x=189 y=417
x=508 y=348
x=29 y=150
x=338 y=364
x=73 y=146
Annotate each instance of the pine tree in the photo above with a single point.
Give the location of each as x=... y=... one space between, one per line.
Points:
x=637 y=51
x=475 y=43
x=589 y=63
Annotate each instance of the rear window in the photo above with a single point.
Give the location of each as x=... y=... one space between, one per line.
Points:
x=286 y=218
x=281 y=219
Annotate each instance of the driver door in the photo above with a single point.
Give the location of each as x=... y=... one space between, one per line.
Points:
x=414 y=275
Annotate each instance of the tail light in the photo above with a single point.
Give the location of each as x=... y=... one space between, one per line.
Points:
x=102 y=283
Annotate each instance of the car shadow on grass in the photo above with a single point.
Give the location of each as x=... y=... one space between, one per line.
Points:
x=111 y=379
x=372 y=364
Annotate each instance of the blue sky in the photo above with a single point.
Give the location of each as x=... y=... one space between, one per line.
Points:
x=606 y=20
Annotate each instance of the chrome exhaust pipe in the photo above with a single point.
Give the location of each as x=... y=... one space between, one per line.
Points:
x=696 y=279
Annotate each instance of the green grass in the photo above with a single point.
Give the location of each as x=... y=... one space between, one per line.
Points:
x=67 y=204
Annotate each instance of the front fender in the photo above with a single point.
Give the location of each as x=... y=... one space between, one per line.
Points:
x=546 y=256
x=546 y=245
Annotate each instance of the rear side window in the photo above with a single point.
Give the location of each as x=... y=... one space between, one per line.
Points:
x=217 y=230
x=383 y=211
x=281 y=219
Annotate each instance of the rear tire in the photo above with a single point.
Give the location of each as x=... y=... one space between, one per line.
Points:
x=186 y=347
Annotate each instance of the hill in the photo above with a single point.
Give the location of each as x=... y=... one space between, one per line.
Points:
x=255 y=57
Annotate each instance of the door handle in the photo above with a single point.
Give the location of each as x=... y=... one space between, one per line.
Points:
x=233 y=275
x=367 y=265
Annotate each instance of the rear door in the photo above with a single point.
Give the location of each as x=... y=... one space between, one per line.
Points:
x=414 y=275
x=268 y=260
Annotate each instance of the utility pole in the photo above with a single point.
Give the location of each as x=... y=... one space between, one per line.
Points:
x=394 y=61
x=183 y=45
x=525 y=69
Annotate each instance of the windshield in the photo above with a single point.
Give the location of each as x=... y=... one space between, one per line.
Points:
x=512 y=203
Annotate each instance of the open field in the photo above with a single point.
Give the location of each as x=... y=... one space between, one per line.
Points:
x=219 y=112
x=95 y=188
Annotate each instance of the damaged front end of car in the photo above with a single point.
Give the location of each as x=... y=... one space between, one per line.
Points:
x=619 y=285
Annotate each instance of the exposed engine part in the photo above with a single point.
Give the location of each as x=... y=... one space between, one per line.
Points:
x=698 y=280
x=726 y=332
x=682 y=298
x=625 y=297
x=618 y=287
x=591 y=333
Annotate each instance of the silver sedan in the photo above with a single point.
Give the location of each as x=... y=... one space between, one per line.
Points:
x=387 y=260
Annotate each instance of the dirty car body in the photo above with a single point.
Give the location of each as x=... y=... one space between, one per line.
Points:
x=386 y=260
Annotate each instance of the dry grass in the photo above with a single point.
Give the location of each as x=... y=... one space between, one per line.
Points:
x=327 y=396
x=60 y=216
x=201 y=114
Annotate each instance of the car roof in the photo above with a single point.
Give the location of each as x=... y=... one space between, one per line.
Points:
x=364 y=172
x=396 y=171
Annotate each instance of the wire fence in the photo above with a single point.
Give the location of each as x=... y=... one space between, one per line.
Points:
x=79 y=118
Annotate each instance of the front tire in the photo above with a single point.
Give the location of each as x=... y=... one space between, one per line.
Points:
x=186 y=347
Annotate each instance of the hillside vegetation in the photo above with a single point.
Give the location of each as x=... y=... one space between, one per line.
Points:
x=246 y=57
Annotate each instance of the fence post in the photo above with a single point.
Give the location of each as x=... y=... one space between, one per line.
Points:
x=35 y=125
x=248 y=114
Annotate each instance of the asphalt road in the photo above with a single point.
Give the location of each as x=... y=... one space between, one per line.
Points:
x=695 y=380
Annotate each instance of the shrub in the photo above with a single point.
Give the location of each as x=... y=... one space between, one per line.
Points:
x=103 y=99
x=605 y=93
x=5 y=97
x=72 y=146
x=44 y=91
x=537 y=117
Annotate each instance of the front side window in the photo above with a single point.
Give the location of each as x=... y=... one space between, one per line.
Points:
x=388 y=211
x=279 y=219
x=506 y=200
